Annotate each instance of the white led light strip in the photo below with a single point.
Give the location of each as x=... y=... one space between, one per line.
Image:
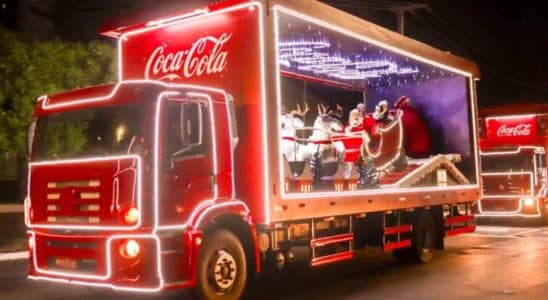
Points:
x=205 y=207
x=204 y=203
x=509 y=213
x=509 y=117
x=108 y=274
x=137 y=185
x=218 y=206
x=201 y=205
x=473 y=105
x=249 y=5
x=365 y=39
x=165 y=21
x=538 y=150
x=277 y=10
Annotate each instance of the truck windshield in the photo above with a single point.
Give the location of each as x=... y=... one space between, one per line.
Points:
x=98 y=131
x=506 y=163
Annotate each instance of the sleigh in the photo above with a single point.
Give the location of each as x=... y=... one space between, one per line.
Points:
x=389 y=146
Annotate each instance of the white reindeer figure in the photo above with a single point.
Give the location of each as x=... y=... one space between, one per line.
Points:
x=290 y=123
x=320 y=140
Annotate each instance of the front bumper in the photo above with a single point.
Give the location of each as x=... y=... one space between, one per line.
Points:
x=517 y=207
x=95 y=260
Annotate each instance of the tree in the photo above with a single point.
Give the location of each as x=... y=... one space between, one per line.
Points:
x=30 y=68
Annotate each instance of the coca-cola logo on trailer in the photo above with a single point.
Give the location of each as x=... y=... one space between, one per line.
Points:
x=511 y=130
x=518 y=130
x=206 y=56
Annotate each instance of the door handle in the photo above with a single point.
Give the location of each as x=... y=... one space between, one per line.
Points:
x=212 y=180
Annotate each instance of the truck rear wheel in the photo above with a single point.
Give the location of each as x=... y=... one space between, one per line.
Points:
x=222 y=270
x=545 y=212
x=424 y=234
x=422 y=241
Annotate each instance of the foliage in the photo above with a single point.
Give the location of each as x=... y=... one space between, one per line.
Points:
x=30 y=68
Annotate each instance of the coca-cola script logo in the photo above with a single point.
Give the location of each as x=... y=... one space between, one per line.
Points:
x=206 y=56
x=518 y=130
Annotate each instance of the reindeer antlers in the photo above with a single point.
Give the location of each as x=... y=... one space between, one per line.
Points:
x=299 y=112
x=322 y=109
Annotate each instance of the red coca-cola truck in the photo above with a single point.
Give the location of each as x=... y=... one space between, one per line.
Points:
x=513 y=141
x=225 y=147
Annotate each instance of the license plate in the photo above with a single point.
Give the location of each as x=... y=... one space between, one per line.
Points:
x=65 y=263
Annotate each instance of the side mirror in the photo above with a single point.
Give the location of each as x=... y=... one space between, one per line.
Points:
x=30 y=137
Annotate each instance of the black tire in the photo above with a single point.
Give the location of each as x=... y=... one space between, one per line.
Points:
x=545 y=212
x=422 y=241
x=222 y=268
x=424 y=235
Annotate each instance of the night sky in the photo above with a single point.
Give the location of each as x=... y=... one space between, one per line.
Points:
x=507 y=39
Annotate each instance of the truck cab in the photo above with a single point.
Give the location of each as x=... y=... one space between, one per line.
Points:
x=94 y=160
x=514 y=182
x=513 y=164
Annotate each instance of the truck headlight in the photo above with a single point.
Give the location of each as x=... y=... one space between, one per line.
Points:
x=131 y=216
x=528 y=202
x=130 y=248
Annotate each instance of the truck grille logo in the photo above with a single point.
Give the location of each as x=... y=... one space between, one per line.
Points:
x=206 y=56
x=518 y=130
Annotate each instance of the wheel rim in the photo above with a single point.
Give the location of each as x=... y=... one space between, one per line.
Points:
x=222 y=271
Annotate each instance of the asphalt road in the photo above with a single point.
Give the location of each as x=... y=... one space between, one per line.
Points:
x=496 y=262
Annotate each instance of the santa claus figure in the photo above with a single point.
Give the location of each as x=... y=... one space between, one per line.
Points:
x=382 y=114
x=361 y=109
x=377 y=120
x=355 y=122
x=417 y=139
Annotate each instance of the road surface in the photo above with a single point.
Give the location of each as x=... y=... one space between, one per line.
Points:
x=496 y=262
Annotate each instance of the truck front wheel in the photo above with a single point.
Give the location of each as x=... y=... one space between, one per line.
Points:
x=222 y=270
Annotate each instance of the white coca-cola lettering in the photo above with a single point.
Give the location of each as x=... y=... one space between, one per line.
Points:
x=518 y=130
x=206 y=56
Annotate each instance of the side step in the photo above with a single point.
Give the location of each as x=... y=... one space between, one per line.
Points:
x=458 y=222
x=331 y=258
x=322 y=254
x=399 y=243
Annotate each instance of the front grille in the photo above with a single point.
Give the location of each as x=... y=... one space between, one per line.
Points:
x=73 y=202
x=73 y=220
x=85 y=193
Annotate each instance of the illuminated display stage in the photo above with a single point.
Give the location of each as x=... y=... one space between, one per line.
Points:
x=330 y=72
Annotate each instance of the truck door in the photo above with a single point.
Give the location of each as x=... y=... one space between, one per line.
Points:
x=186 y=165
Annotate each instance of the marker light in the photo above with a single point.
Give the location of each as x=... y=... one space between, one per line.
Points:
x=31 y=242
x=131 y=216
x=528 y=202
x=130 y=249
